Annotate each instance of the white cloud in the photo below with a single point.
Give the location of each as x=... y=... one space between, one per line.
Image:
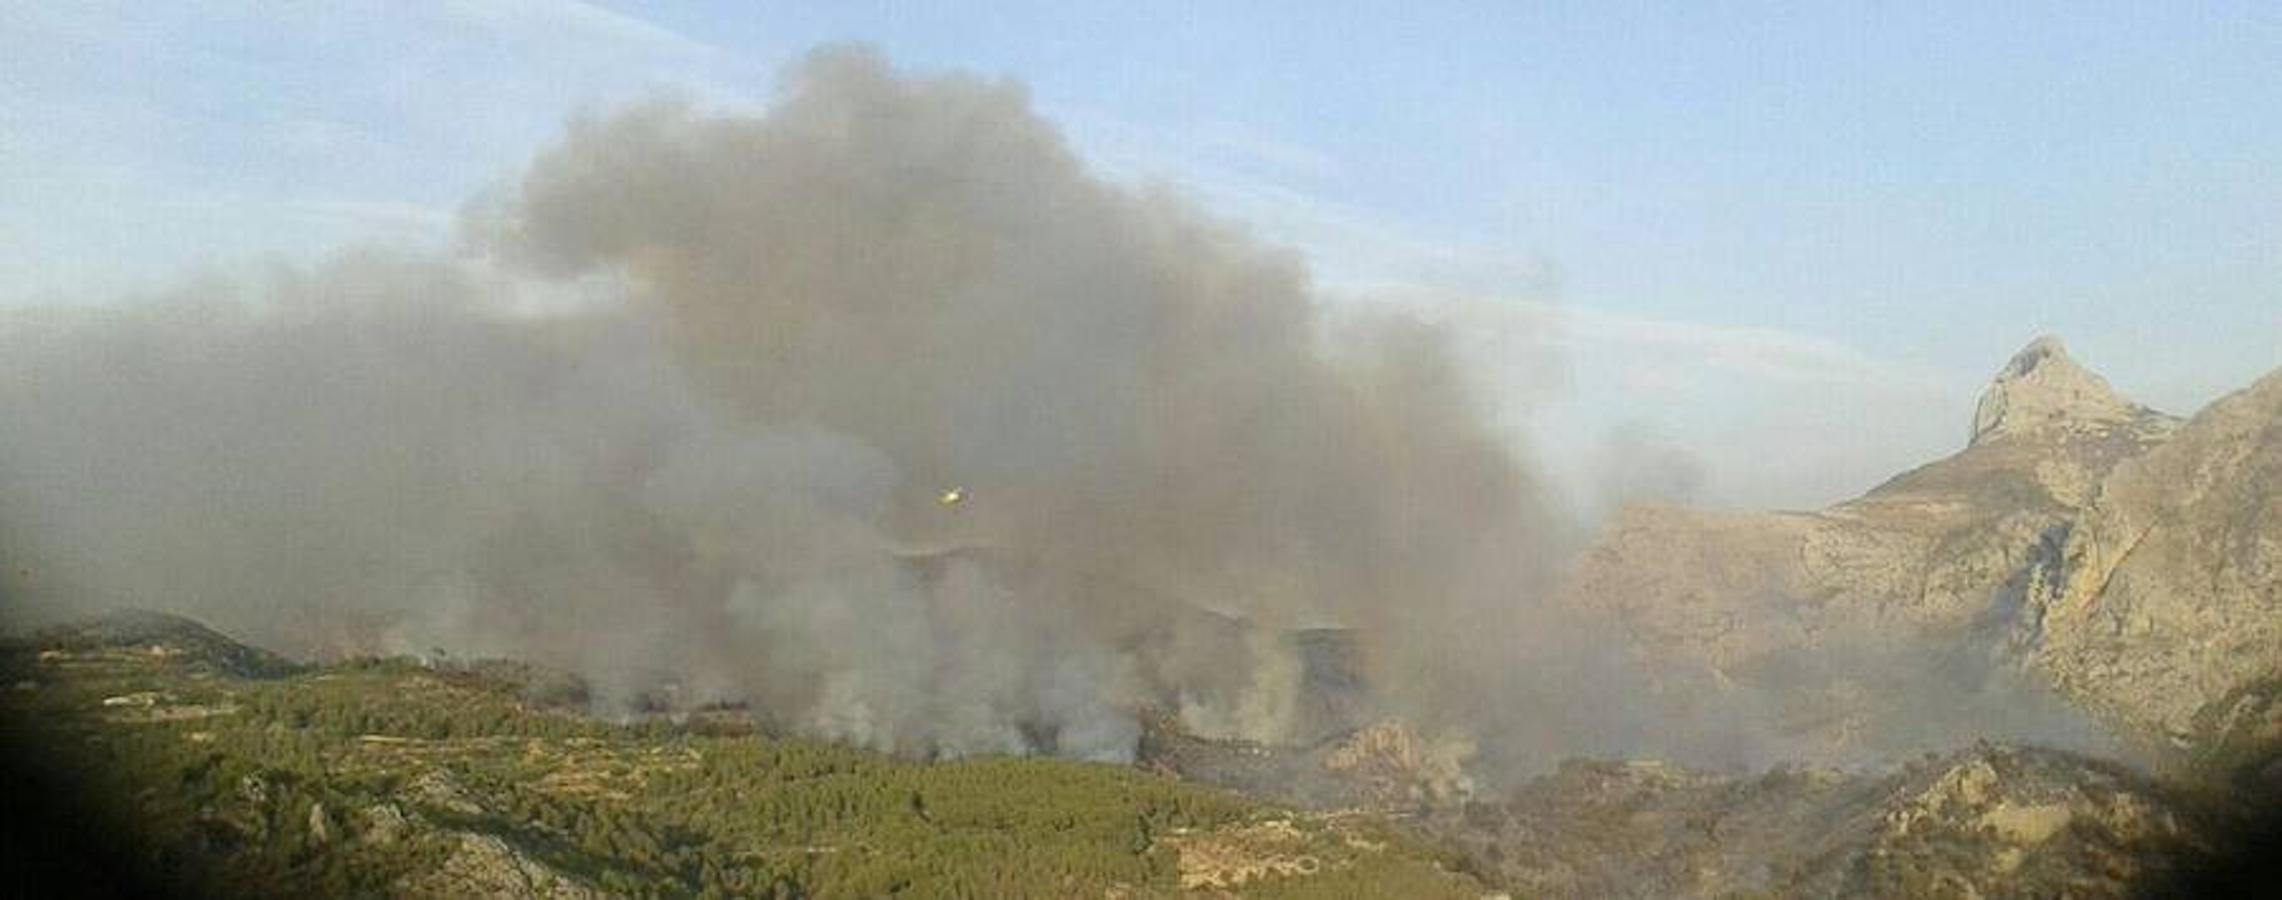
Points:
x=587 y=21
x=1757 y=352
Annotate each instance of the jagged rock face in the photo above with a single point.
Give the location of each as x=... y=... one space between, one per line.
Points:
x=2045 y=432
x=1941 y=553
x=2042 y=390
x=2167 y=594
x=1992 y=821
x=2133 y=562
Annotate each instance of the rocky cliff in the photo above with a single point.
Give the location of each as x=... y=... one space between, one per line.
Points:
x=2130 y=561
x=2043 y=391
x=2165 y=596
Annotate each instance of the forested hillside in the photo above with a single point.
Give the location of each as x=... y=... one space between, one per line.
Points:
x=227 y=771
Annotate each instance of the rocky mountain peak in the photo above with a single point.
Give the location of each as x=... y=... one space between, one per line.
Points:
x=2043 y=389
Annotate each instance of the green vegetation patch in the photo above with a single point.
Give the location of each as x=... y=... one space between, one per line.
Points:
x=385 y=777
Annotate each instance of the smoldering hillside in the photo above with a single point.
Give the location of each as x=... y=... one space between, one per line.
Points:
x=730 y=474
x=725 y=470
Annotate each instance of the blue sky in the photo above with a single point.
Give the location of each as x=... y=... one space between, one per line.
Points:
x=1793 y=242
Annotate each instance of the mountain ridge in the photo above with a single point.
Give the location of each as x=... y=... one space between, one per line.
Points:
x=1993 y=554
x=2166 y=594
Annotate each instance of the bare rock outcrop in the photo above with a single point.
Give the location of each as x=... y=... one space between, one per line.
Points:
x=485 y=865
x=2166 y=596
x=2043 y=390
x=1943 y=554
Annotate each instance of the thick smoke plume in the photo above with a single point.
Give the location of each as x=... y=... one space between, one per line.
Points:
x=885 y=418
x=732 y=475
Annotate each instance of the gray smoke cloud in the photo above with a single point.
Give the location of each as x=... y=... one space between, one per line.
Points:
x=725 y=465
x=730 y=473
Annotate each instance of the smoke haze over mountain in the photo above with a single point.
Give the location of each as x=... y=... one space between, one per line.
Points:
x=724 y=466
